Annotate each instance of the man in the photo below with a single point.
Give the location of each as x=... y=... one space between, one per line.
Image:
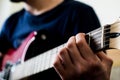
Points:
x=54 y=20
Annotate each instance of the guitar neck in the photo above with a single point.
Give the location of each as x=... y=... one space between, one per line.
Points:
x=45 y=60
x=35 y=65
x=101 y=38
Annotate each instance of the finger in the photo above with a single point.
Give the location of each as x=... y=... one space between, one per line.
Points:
x=58 y=66
x=73 y=50
x=103 y=57
x=83 y=47
x=65 y=57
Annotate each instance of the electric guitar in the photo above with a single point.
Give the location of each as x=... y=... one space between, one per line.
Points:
x=102 y=38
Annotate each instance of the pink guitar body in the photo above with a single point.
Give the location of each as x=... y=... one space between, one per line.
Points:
x=14 y=55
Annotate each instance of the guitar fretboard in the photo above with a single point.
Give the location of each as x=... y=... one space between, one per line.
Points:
x=35 y=65
x=45 y=60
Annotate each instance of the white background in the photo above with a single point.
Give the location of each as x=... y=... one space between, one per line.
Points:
x=107 y=10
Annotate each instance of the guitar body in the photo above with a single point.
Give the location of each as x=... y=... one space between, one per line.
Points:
x=16 y=55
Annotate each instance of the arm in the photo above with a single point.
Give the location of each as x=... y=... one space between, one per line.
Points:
x=77 y=61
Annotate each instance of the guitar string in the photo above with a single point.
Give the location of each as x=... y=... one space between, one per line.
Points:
x=99 y=31
x=105 y=33
x=105 y=29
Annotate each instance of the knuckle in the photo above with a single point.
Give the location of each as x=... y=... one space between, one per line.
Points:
x=93 y=63
x=55 y=64
x=71 y=43
x=82 y=67
x=62 y=51
x=80 y=42
x=110 y=61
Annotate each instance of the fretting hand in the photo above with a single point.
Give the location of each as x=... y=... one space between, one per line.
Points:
x=77 y=61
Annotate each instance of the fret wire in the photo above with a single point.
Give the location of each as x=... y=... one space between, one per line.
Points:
x=39 y=58
x=31 y=66
x=95 y=35
x=42 y=58
x=48 y=60
x=52 y=55
x=39 y=62
x=40 y=66
x=44 y=63
x=28 y=68
x=36 y=65
x=97 y=39
x=51 y=59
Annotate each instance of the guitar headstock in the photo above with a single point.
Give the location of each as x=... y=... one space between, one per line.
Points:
x=114 y=41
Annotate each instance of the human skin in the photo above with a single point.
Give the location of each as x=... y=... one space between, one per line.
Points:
x=77 y=61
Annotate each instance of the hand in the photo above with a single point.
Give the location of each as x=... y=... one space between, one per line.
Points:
x=77 y=61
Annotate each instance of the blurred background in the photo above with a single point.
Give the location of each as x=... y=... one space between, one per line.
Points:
x=108 y=11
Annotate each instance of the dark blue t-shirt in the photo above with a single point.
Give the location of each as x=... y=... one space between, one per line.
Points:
x=57 y=25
